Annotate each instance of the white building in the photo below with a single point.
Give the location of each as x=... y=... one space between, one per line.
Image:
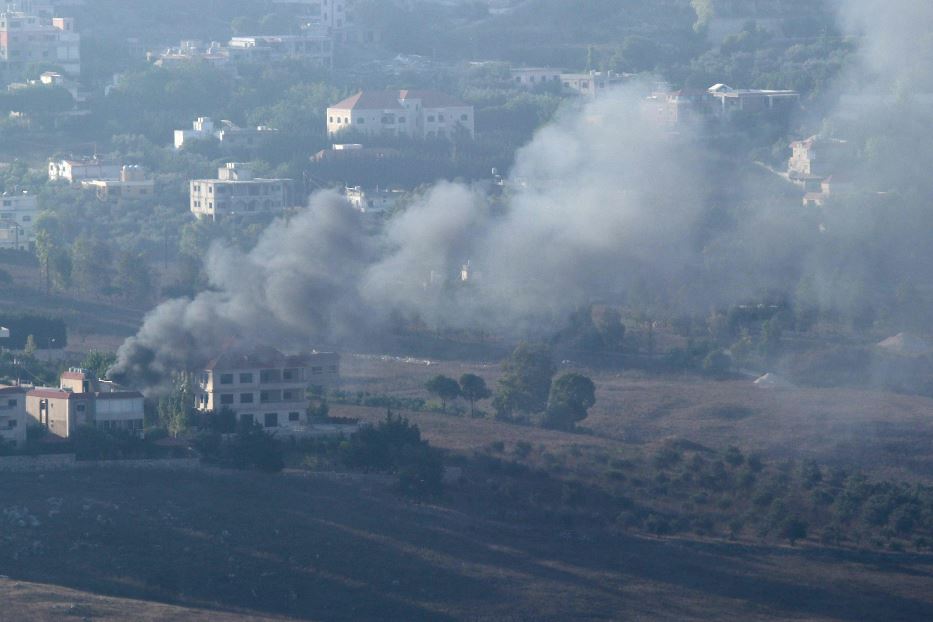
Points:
x=229 y=134
x=236 y=193
x=76 y=171
x=18 y=211
x=27 y=39
x=372 y=201
x=13 y=415
x=417 y=114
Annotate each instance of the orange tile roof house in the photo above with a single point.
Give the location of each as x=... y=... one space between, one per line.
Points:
x=416 y=114
x=82 y=399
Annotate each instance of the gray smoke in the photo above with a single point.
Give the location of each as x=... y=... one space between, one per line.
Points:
x=599 y=206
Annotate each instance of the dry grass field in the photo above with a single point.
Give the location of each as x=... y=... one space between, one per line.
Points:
x=131 y=545
x=887 y=434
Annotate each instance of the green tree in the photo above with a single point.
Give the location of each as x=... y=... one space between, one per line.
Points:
x=174 y=409
x=572 y=395
x=474 y=388
x=133 y=277
x=91 y=264
x=526 y=382
x=445 y=388
x=99 y=362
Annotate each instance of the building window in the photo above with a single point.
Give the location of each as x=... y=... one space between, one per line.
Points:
x=294 y=416
x=246 y=419
x=81 y=408
x=331 y=119
x=226 y=399
x=246 y=378
x=430 y=118
x=11 y=403
x=271 y=420
x=290 y=374
x=246 y=398
x=440 y=118
x=332 y=369
x=317 y=371
x=226 y=378
x=361 y=120
x=464 y=117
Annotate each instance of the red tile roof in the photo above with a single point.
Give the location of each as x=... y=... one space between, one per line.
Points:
x=390 y=100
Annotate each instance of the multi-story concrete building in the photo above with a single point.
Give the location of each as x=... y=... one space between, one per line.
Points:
x=265 y=386
x=417 y=114
x=236 y=193
x=18 y=211
x=13 y=415
x=134 y=183
x=728 y=101
x=312 y=46
x=76 y=171
x=27 y=39
x=82 y=399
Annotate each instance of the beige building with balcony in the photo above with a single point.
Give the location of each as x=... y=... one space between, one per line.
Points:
x=236 y=193
x=134 y=183
x=416 y=114
x=265 y=386
x=82 y=399
x=13 y=415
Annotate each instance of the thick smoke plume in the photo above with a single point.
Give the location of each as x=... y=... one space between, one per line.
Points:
x=600 y=206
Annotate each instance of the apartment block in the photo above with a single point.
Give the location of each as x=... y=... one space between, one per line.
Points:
x=236 y=193
x=265 y=386
x=27 y=39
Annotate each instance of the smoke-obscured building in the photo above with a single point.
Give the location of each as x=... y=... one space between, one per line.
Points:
x=236 y=193
x=265 y=386
x=416 y=114
x=82 y=399
x=374 y=201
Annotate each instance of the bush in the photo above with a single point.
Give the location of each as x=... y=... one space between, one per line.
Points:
x=395 y=445
x=250 y=448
